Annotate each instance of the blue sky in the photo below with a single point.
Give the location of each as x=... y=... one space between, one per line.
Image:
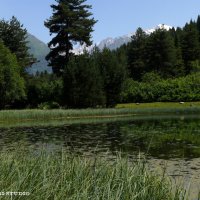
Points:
x=115 y=17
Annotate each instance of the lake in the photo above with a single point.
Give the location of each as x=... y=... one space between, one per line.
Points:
x=171 y=143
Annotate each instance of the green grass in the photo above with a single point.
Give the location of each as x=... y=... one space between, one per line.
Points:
x=121 y=110
x=34 y=114
x=160 y=105
x=65 y=176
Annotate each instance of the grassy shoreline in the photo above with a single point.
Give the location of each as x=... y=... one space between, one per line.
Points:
x=121 y=110
x=160 y=105
x=66 y=176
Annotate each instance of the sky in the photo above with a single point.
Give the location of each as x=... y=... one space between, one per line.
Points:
x=115 y=17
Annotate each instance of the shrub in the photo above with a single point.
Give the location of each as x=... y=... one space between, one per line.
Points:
x=179 y=89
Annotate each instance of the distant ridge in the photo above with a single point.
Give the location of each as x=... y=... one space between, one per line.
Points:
x=39 y=49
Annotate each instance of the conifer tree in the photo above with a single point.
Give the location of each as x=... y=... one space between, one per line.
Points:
x=71 y=23
x=136 y=54
x=198 y=23
x=190 y=46
x=113 y=73
x=179 y=69
x=161 y=53
x=83 y=84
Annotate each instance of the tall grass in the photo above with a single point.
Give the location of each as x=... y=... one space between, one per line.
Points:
x=69 y=177
x=31 y=115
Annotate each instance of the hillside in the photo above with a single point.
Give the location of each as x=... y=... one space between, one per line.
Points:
x=39 y=50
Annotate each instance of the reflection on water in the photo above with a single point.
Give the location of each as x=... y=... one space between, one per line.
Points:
x=165 y=138
x=171 y=141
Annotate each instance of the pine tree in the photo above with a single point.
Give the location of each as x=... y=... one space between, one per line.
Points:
x=71 y=23
x=179 y=69
x=83 y=84
x=136 y=54
x=198 y=23
x=190 y=46
x=161 y=53
x=113 y=73
x=14 y=36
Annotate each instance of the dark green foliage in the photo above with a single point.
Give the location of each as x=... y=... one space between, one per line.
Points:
x=190 y=46
x=71 y=23
x=95 y=79
x=172 y=53
x=198 y=23
x=43 y=88
x=11 y=83
x=83 y=84
x=121 y=54
x=14 y=36
x=49 y=105
x=151 y=77
x=161 y=53
x=136 y=55
x=179 y=89
x=113 y=70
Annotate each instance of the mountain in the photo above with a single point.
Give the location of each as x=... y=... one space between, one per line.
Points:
x=114 y=43
x=39 y=50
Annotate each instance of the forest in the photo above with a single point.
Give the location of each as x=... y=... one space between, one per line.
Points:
x=163 y=66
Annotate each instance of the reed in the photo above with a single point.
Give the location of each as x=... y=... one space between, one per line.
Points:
x=66 y=176
x=10 y=116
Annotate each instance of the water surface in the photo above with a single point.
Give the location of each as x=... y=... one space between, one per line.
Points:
x=171 y=142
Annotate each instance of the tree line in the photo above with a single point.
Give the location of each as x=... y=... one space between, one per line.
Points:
x=161 y=66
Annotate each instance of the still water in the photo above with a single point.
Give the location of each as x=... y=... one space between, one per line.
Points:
x=168 y=142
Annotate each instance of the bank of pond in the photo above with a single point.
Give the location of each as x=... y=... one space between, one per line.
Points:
x=8 y=117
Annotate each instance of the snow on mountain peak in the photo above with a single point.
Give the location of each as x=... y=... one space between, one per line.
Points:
x=113 y=43
x=159 y=26
x=163 y=26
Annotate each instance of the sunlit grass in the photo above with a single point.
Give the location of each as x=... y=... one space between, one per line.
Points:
x=160 y=105
x=67 y=176
x=60 y=113
x=121 y=110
